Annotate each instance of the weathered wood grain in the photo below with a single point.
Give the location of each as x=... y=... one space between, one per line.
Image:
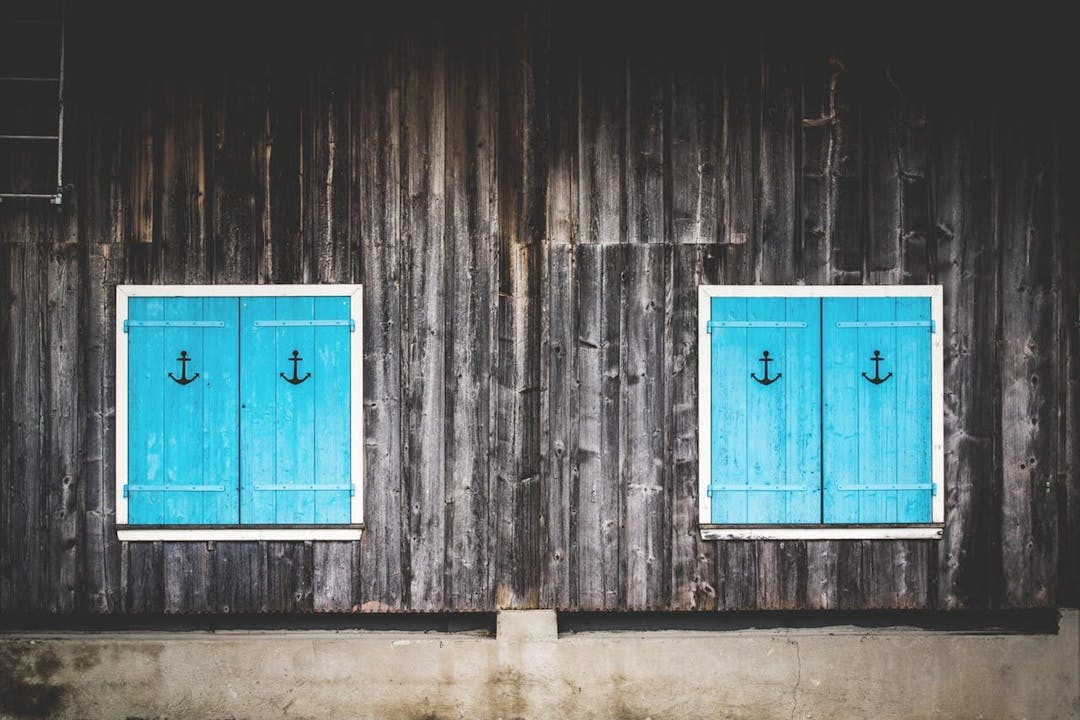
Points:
x=384 y=555
x=290 y=576
x=62 y=444
x=558 y=326
x=470 y=232
x=1068 y=230
x=967 y=268
x=602 y=142
x=693 y=570
x=333 y=575
x=1030 y=359
x=598 y=497
x=100 y=267
x=520 y=188
x=646 y=85
x=423 y=147
x=25 y=267
x=692 y=153
x=645 y=541
x=776 y=210
x=531 y=202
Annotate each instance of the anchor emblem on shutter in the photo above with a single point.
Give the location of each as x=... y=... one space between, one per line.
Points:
x=877 y=379
x=766 y=380
x=295 y=379
x=183 y=379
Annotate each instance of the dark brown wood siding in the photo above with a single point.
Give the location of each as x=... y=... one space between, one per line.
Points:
x=530 y=202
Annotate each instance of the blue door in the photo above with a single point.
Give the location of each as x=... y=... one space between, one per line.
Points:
x=765 y=410
x=295 y=414
x=876 y=415
x=182 y=409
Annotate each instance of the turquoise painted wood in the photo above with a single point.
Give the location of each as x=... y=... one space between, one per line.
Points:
x=183 y=439
x=766 y=432
x=295 y=436
x=877 y=445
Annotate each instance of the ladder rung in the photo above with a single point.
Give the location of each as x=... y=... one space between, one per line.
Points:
x=29 y=137
x=29 y=79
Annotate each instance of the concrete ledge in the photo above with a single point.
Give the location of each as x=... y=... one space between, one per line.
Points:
x=529 y=672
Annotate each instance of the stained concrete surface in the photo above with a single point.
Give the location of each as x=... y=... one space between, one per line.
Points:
x=528 y=671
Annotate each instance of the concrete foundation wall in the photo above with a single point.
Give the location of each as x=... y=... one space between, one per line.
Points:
x=528 y=671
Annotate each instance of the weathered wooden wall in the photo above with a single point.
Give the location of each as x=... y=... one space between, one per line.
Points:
x=530 y=203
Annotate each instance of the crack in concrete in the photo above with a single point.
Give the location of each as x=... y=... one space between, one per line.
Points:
x=798 y=679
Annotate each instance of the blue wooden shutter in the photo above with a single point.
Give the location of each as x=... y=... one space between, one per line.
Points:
x=765 y=456
x=182 y=432
x=295 y=436
x=877 y=462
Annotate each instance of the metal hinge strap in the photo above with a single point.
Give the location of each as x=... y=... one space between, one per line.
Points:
x=716 y=324
x=351 y=324
x=889 y=324
x=886 y=488
x=293 y=487
x=174 y=323
x=172 y=488
x=760 y=488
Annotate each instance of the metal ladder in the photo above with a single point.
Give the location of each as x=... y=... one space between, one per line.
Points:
x=24 y=91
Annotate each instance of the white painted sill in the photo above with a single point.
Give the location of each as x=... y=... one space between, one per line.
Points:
x=138 y=534
x=895 y=532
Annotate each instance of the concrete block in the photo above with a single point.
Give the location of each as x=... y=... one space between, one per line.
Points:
x=527 y=626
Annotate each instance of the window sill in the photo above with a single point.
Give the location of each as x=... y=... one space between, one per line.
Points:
x=177 y=533
x=839 y=532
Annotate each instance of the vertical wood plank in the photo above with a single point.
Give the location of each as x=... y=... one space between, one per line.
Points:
x=384 y=555
x=558 y=324
x=25 y=269
x=237 y=576
x=644 y=544
x=880 y=104
x=741 y=120
x=602 y=149
x=693 y=568
x=1068 y=233
x=424 y=361
x=333 y=586
x=776 y=211
x=186 y=576
x=910 y=80
x=1030 y=374
x=180 y=236
x=646 y=82
x=62 y=444
x=521 y=180
x=826 y=143
x=967 y=244
x=284 y=253
x=236 y=106
x=289 y=577
x=101 y=268
x=142 y=568
x=470 y=195
x=692 y=154
x=598 y=496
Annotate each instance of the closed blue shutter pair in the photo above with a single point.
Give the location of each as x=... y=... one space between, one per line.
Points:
x=238 y=410
x=820 y=410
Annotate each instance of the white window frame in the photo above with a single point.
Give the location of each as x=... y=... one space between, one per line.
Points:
x=239 y=532
x=932 y=530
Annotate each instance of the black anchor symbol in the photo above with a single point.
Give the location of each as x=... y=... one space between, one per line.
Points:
x=295 y=379
x=765 y=360
x=183 y=379
x=877 y=379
